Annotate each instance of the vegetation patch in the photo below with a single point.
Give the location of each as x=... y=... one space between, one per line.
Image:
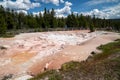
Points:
x=49 y=75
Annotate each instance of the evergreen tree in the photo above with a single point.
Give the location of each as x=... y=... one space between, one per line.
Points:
x=11 y=20
x=92 y=29
x=3 y=27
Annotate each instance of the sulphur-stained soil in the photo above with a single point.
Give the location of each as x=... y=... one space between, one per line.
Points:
x=28 y=54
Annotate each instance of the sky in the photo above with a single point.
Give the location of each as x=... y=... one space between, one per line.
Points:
x=109 y=9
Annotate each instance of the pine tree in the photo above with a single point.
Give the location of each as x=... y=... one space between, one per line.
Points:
x=3 y=27
x=92 y=28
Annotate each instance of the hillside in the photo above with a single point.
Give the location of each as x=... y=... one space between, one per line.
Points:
x=102 y=66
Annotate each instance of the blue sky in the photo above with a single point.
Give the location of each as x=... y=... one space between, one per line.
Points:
x=101 y=8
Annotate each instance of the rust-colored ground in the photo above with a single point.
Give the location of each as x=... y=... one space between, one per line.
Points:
x=29 y=53
x=20 y=58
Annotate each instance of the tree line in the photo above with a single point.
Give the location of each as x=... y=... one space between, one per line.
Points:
x=10 y=20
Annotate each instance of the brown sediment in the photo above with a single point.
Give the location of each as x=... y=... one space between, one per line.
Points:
x=20 y=58
x=54 y=62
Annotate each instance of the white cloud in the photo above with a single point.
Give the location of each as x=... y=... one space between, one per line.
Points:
x=19 y=4
x=97 y=13
x=68 y=3
x=55 y=2
x=75 y=13
x=23 y=11
x=95 y=2
x=37 y=13
x=62 y=1
x=113 y=12
x=65 y=10
x=109 y=12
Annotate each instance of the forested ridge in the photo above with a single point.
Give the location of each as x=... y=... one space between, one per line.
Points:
x=11 y=22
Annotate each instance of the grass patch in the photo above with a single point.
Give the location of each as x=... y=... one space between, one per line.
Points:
x=49 y=75
x=108 y=50
x=70 y=66
x=7 y=35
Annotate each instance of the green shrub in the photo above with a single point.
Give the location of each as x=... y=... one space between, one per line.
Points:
x=92 y=29
x=70 y=66
x=55 y=77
